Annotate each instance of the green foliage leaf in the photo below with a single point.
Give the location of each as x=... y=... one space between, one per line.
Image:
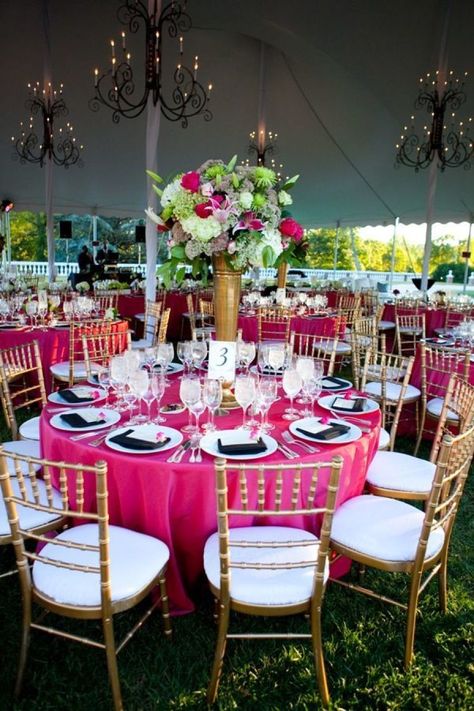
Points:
x=180 y=274
x=154 y=176
x=177 y=252
x=289 y=183
x=231 y=164
x=235 y=180
x=268 y=256
x=157 y=190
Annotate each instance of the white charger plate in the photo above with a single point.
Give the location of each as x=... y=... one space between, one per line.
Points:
x=175 y=438
x=352 y=435
x=370 y=406
x=209 y=444
x=346 y=385
x=58 y=400
x=110 y=416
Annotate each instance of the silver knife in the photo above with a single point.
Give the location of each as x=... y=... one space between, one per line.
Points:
x=178 y=454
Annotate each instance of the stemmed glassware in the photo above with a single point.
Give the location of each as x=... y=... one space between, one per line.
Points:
x=244 y=392
x=157 y=388
x=184 y=352
x=276 y=357
x=118 y=378
x=103 y=377
x=199 y=352
x=32 y=311
x=292 y=386
x=212 y=397
x=189 y=392
x=138 y=381
x=246 y=352
x=197 y=407
x=305 y=367
x=267 y=394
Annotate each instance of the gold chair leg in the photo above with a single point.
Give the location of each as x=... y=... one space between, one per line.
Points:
x=420 y=431
x=25 y=643
x=443 y=585
x=219 y=654
x=317 y=641
x=411 y=621
x=165 y=610
x=112 y=666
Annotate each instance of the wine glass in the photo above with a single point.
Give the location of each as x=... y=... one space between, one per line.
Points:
x=197 y=407
x=32 y=310
x=212 y=396
x=244 y=392
x=245 y=354
x=118 y=377
x=185 y=355
x=139 y=382
x=262 y=359
x=189 y=392
x=268 y=390
x=276 y=356
x=158 y=385
x=103 y=377
x=291 y=385
x=199 y=352
x=305 y=367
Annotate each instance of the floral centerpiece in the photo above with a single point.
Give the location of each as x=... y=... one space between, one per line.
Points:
x=224 y=210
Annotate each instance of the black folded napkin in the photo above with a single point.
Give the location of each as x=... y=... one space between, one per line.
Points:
x=71 y=396
x=331 y=432
x=75 y=420
x=333 y=381
x=141 y=445
x=95 y=378
x=358 y=406
x=242 y=447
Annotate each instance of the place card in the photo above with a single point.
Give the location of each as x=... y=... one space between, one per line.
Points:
x=222 y=355
x=352 y=405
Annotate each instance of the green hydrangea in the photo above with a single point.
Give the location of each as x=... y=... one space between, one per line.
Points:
x=214 y=171
x=184 y=203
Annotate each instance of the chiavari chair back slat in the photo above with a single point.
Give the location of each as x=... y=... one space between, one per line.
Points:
x=100 y=345
x=437 y=366
x=410 y=330
x=104 y=302
x=245 y=566
x=163 y=327
x=152 y=321
x=364 y=335
x=71 y=574
x=18 y=393
x=320 y=347
x=416 y=542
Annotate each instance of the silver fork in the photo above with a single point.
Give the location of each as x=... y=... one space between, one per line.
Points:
x=289 y=453
x=291 y=440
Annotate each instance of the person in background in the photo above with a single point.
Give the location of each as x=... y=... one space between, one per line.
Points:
x=85 y=261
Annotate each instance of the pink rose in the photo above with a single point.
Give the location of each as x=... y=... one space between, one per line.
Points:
x=290 y=228
x=203 y=209
x=190 y=181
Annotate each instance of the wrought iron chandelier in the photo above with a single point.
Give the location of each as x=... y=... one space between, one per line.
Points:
x=48 y=142
x=117 y=88
x=442 y=139
x=263 y=145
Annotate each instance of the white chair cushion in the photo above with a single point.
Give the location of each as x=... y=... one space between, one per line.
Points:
x=265 y=587
x=61 y=370
x=386 y=325
x=374 y=370
x=28 y=447
x=411 y=330
x=435 y=406
x=382 y=528
x=142 y=343
x=29 y=518
x=384 y=439
x=135 y=560
x=400 y=472
x=328 y=346
x=30 y=429
x=392 y=391
x=139 y=317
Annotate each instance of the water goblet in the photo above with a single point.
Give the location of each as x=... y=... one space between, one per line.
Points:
x=158 y=386
x=189 y=392
x=212 y=396
x=246 y=352
x=292 y=386
x=139 y=382
x=276 y=357
x=197 y=407
x=244 y=391
x=199 y=352
x=268 y=391
x=305 y=367
x=129 y=398
x=103 y=377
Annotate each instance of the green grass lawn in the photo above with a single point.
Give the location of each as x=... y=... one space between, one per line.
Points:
x=363 y=646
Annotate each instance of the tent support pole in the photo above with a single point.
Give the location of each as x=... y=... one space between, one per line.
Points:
x=392 y=257
x=336 y=247
x=468 y=249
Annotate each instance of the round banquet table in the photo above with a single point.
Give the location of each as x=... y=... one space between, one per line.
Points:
x=177 y=502
x=53 y=345
x=311 y=325
x=131 y=305
x=434 y=317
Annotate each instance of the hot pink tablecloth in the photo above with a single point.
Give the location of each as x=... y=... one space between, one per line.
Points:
x=434 y=318
x=53 y=345
x=131 y=305
x=324 y=326
x=176 y=502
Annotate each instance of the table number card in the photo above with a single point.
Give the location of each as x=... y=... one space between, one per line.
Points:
x=222 y=356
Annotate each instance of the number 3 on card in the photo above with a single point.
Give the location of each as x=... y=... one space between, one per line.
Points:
x=222 y=360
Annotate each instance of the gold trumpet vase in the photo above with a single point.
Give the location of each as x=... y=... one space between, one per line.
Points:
x=282 y=275
x=227 y=283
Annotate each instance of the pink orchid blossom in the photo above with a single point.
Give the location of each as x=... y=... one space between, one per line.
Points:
x=190 y=181
x=249 y=222
x=222 y=208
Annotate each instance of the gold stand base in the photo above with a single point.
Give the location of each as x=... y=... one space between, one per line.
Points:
x=228 y=398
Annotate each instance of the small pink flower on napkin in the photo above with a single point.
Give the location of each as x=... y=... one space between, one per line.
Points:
x=160 y=436
x=254 y=432
x=102 y=415
x=325 y=420
x=348 y=395
x=95 y=395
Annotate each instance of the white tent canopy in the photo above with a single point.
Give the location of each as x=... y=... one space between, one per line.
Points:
x=341 y=80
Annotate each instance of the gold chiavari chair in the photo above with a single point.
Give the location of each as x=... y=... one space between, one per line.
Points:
x=348 y=302
x=90 y=571
x=273 y=323
x=364 y=335
x=161 y=295
x=28 y=393
x=34 y=489
x=163 y=328
x=106 y=301
x=406 y=305
x=415 y=542
x=73 y=370
x=455 y=313
x=99 y=347
x=319 y=347
x=150 y=326
x=410 y=329
x=437 y=366
x=386 y=379
x=204 y=320
x=404 y=476
x=369 y=303
x=271 y=570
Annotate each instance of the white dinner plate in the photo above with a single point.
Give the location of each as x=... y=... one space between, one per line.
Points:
x=209 y=443
x=352 y=435
x=87 y=392
x=369 y=406
x=110 y=417
x=148 y=429
x=345 y=385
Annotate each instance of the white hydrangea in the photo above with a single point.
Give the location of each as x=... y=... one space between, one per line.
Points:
x=245 y=199
x=170 y=191
x=284 y=198
x=270 y=238
x=202 y=229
